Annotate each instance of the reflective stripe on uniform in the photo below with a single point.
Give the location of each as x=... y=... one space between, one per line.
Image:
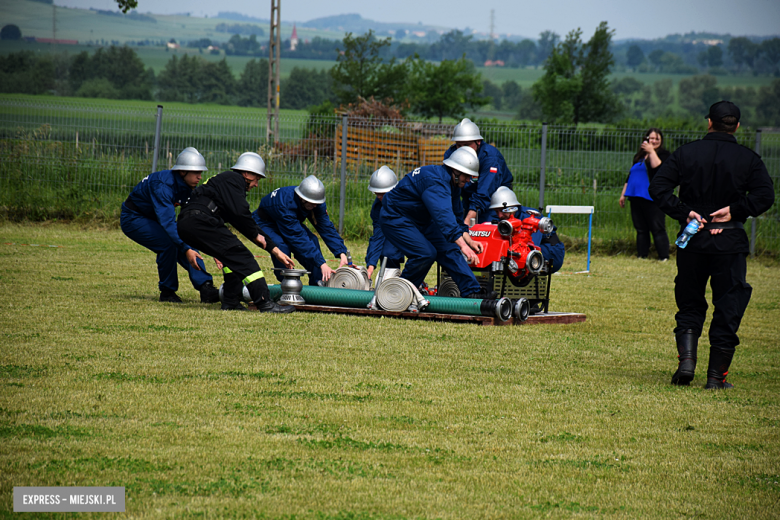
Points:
x=226 y=270
x=253 y=277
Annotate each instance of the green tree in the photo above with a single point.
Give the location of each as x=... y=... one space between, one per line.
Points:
x=10 y=32
x=742 y=51
x=697 y=93
x=634 y=56
x=626 y=86
x=547 y=42
x=253 y=84
x=492 y=93
x=305 y=88
x=511 y=93
x=655 y=57
x=768 y=107
x=446 y=89
x=575 y=85
x=126 y=5
x=360 y=71
x=770 y=53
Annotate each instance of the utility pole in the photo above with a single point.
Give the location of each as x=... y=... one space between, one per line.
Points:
x=53 y=26
x=274 y=47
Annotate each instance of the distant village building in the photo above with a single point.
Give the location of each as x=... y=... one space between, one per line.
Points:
x=496 y=63
x=294 y=39
x=55 y=41
x=708 y=42
x=173 y=45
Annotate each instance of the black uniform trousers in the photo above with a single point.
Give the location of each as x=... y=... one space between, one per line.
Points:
x=209 y=234
x=649 y=219
x=730 y=295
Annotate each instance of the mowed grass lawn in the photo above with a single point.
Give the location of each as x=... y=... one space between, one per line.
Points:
x=205 y=414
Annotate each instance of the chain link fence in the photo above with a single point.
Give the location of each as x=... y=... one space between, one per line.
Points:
x=77 y=159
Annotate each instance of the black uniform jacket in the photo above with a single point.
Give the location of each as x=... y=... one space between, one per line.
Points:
x=227 y=191
x=714 y=172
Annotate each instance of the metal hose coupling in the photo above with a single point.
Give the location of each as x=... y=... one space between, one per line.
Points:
x=500 y=308
x=398 y=295
x=244 y=293
x=350 y=278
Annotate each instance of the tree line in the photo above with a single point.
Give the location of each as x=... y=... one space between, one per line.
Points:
x=574 y=89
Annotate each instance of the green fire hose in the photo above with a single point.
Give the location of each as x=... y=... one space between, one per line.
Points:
x=314 y=295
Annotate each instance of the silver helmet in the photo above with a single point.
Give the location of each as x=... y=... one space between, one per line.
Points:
x=382 y=180
x=504 y=199
x=250 y=162
x=465 y=160
x=311 y=190
x=466 y=130
x=190 y=160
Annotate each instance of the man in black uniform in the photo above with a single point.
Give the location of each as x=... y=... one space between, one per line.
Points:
x=721 y=184
x=222 y=199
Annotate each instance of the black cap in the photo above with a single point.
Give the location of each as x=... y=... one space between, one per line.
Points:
x=723 y=109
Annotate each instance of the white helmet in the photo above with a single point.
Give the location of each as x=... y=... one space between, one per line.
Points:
x=504 y=198
x=382 y=180
x=250 y=162
x=190 y=160
x=466 y=130
x=465 y=160
x=311 y=190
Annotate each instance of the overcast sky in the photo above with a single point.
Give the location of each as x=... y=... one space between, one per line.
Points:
x=648 y=20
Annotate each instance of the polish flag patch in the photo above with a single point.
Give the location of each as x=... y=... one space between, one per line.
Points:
x=493 y=170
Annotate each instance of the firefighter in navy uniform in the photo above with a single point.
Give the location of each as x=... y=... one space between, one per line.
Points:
x=149 y=218
x=721 y=184
x=493 y=171
x=423 y=218
x=382 y=181
x=202 y=220
x=282 y=213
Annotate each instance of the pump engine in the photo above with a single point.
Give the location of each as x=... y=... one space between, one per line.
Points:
x=510 y=264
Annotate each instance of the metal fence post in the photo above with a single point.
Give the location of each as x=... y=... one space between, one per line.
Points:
x=753 y=220
x=543 y=166
x=157 y=130
x=343 y=192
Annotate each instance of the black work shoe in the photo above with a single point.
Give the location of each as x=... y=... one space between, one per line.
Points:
x=271 y=306
x=717 y=384
x=229 y=307
x=682 y=377
x=167 y=295
x=208 y=293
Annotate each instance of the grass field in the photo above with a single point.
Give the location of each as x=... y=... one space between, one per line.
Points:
x=203 y=414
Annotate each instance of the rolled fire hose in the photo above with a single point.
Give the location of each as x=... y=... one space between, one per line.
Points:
x=501 y=308
x=315 y=295
x=397 y=294
x=350 y=278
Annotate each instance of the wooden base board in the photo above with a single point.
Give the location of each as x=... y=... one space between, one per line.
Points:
x=549 y=318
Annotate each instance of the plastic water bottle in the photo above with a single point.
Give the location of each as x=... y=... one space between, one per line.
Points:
x=691 y=229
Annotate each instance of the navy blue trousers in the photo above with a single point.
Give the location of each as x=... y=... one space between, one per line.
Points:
x=423 y=247
x=308 y=263
x=150 y=234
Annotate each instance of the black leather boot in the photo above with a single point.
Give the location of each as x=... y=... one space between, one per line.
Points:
x=271 y=306
x=208 y=293
x=687 y=344
x=167 y=295
x=720 y=361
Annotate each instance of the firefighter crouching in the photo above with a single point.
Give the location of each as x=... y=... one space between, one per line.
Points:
x=202 y=221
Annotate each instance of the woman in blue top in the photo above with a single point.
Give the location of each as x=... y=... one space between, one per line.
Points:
x=647 y=217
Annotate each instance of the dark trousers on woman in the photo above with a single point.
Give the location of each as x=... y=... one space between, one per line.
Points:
x=648 y=219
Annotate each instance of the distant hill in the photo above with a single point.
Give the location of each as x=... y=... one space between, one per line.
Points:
x=231 y=15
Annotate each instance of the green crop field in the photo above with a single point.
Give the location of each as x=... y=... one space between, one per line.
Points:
x=35 y=19
x=199 y=413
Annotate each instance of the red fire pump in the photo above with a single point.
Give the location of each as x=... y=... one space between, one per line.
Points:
x=510 y=264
